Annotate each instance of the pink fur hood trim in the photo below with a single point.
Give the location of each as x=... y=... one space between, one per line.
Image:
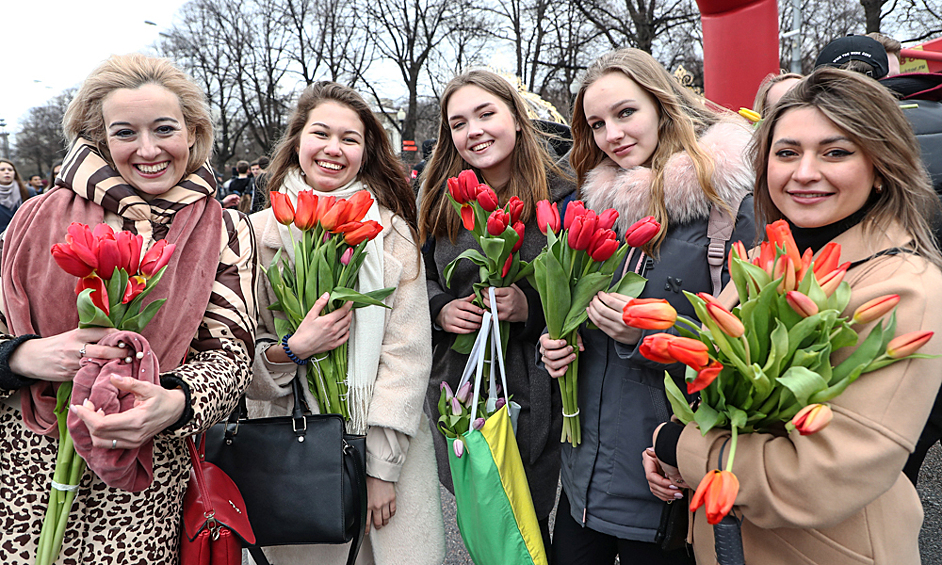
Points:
x=628 y=190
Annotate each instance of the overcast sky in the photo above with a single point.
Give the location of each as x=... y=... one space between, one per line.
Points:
x=51 y=45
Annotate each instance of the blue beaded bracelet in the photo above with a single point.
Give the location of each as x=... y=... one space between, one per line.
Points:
x=289 y=353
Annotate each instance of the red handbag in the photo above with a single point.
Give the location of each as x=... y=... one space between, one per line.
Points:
x=215 y=522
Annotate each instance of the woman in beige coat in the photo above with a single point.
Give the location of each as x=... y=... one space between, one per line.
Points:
x=335 y=146
x=837 y=159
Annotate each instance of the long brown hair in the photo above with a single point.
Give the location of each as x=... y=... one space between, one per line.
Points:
x=381 y=170
x=869 y=116
x=530 y=160
x=682 y=118
x=17 y=179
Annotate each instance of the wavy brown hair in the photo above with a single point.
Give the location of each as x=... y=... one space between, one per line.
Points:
x=871 y=118
x=380 y=170
x=761 y=102
x=17 y=179
x=682 y=118
x=530 y=160
x=84 y=118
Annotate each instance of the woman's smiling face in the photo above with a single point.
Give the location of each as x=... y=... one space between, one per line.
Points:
x=483 y=130
x=147 y=137
x=330 y=150
x=816 y=174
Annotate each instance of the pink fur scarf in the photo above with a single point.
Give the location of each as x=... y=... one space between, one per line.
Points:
x=628 y=190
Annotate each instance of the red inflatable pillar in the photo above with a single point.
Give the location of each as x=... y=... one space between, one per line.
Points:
x=740 y=48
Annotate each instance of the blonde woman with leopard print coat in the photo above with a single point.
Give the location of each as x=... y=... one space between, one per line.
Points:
x=140 y=136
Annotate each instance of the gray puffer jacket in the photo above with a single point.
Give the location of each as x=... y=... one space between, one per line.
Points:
x=621 y=394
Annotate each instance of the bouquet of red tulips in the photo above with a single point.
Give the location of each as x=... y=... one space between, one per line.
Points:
x=113 y=281
x=326 y=259
x=577 y=263
x=498 y=231
x=767 y=362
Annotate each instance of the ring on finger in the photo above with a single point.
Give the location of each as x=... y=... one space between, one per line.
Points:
x=114 y=444
x=82 y=350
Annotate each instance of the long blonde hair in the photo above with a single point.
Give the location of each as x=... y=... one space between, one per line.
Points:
x=530 y=160
x=872 y=120
x=682 y=117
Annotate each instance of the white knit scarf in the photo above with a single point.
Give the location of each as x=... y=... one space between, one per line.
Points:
x=368 y=328
x=10 y=196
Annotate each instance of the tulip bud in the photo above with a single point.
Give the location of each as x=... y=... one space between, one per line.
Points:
x=785 y=269
x=497 y=222
x=487 y=198
x=642 y=231
x=282 y=207
x=458 y=447
x=515 y=209
x=156 y=258
x=718 y=491
x=812 y=418
x=705 y=376
x=649 y=314
x=574 y=209
x=804 y=265
x=446 y=388
x=738 y=250
x=707 y=298
x=520 y=228
x=477 y=424
x=827 y=259
x=654 y=347
x=454 y=189
x=780 y=235
x=801 y=303
x=691 y=352
x=468 y=185
x=455 y=406
x=304 y=215
x=347 y=255
x=501 y=402
x=607 y=218
x=766 y=257
x=876 y=308
x=727 y=322
x=832 y=280
x=907 y=344
x=464 y=393
x=582 y=230
x=507 y=265
x=547 y=216
x=604 y=245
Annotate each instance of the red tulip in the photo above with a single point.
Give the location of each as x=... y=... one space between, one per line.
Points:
x=801 y=303
x=129 y=248
x=607 y=218
x=812 y=418
x=135 y=286
x=468 y=182
x=603 y=246
x=507 y=264
x=282 y=207
x=515 y=209
x=780 y=235
x=367 y=231
x=156 y=258
x=454 y=189
x=324 y=203
x=718 y=491
x=547 y=216
x=103 y=231
x=497 y=222
x=737 y=250
x=729 y=324
x=876 y=308
x=705 y=376
x=642 y=231
x=907 y=344
x=574 y=209
x=359 y=204
x=467 y=217
x=99 y=293
x=766 y=257
x=335 y=215
x=70 y=262
x=827 y=259
x=305 y=215
x=487 y=198
x=83 y=244
x=582 y=230
x=649 y=314
x=654 y=347
x=520 y=228
x=109 y=258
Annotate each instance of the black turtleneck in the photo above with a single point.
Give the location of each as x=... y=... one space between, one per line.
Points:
x=816 y=238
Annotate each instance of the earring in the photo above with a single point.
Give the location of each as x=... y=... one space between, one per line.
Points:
x=879 y=188
x=302 y=173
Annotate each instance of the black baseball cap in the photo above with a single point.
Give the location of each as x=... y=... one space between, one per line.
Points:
x=855 y=48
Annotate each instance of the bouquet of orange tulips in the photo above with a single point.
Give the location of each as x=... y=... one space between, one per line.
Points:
x=578 y=262
x=326 y=259
x=113 y=280
x=767 y=362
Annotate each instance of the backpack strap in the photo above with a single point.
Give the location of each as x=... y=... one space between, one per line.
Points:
x=719 y=231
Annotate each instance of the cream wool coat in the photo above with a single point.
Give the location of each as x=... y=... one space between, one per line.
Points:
x=415 y=535
x=838 y=497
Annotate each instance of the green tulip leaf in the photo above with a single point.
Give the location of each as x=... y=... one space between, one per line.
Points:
x=464 y=343
x=707 y=418
x=557 y=298
x=283 y=327
x=585 y=290
x=631 y=285
x=359 y=300
x=472 y=255
x=677 y=399
x=91 y=316
x=778 y=350
x=803 y=383
x=866 y=352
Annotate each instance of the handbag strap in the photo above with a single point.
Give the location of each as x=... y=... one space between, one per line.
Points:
x=353 y=463
x=196 y=459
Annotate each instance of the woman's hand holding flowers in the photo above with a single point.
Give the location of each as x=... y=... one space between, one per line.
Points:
x=316 y=334
x=557 y=354
x=57 y=358
x=460 y=316
x=512 y=304
x=605 y=311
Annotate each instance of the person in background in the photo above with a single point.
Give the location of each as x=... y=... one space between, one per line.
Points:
x=772 y=89
x=837 y=159
x=13 y=192
x=893 y=50
x=857 y=53
x=52 y=176
x=335 y=146
x=484 y=127
x=35 y=185
x=259 y=169
x=643 y=145
x=141 y=134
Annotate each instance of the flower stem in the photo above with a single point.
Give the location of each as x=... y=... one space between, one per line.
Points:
x=732 y=448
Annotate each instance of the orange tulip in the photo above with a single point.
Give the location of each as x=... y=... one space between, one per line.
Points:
x=335 y=216
x=718 y=491
x=907 y=344
x=705 y=376
x=366 y=231
x=812 y=418
x=805 y=264
x=649 y=314
x=876 y=308
x=728 y=323
x=666 y=348
x=780 y=235
x=832 y=280
x=827 y=259
x=766 y=257
x=707 y=297
x=324 y=203
x=305 y=216
x=737 y=250
x=282 y=207
x=654 y=347
x=359 y=204
x=785 y=269
x=801 y=303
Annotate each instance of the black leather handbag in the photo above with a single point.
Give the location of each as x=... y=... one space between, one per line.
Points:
x=302 y=476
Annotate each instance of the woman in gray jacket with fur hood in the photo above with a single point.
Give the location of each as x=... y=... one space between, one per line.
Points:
x=643 y=145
